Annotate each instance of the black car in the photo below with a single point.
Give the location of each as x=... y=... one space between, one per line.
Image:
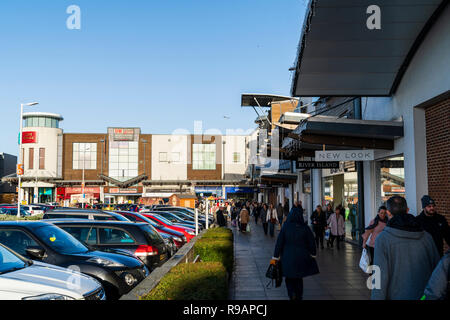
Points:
x=45 y=242
x=138 y=239
x=90 y=214
x=172 y=217
x=185 y=213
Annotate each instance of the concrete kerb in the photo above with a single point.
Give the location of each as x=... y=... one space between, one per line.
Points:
x=184 y=255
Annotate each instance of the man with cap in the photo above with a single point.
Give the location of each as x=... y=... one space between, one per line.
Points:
x=435 y=224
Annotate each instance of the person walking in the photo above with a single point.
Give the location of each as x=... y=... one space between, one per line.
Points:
x=220 y=217
x=257 y=212
x=328 y=212
x=272 y=219
x=280 y=214
x=405 y=255
x=286 y=209
x=373 y=230
x=319 y=223
x=264 y=211
x=438 y=287
x=296 y=250
x=234 y=214
x=434 y=223
x=244 y=217
x=337 y=226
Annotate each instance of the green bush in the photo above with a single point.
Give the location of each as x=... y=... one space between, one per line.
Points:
x=218 y=233
x=5 y=217
x=215 y=250
x=192 y=281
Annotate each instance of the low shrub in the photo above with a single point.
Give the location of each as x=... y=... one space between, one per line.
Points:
x=218 y=233
x=5 y=217
x=192 y=281
x=215 y=250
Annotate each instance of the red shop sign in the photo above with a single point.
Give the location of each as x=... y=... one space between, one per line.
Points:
x=29 y=137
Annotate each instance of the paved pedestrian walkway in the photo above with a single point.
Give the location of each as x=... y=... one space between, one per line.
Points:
x=340 y=277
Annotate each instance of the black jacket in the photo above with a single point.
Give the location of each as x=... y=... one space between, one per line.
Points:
x=437 y=227
x=296 y=246
x=320 y=219
x=220 y=219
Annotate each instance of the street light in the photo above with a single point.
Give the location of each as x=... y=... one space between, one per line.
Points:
x=19 y=196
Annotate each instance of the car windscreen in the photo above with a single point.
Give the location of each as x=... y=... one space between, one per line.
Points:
x=163 y=219
x=59 y=240
x=9 y=261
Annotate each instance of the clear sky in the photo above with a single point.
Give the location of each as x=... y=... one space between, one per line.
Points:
x=155 y=64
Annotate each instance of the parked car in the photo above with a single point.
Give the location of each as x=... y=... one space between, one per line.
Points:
x=47 y=243
x=13 y=212
x=189 y=233
x=25 y=279
x=186 y=212
x=178 y=238
x=172 y=217
x=33 y=210
x=90 y=214
x=138 y=239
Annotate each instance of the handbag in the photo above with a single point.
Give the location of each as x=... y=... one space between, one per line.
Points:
x=364 y=262
x=274 y=273
x=327 y=234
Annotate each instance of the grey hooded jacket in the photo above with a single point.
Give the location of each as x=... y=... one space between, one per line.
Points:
x=439 y=282
x=406 y=256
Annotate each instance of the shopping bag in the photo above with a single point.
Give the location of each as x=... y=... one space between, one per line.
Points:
x=327 y=234
x=248 y=228
x=365 y=261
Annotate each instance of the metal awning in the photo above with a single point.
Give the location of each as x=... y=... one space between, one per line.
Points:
x=339 y=55
x=124 y=184
x=262 y=100
x=278 y=177
x=353 y=133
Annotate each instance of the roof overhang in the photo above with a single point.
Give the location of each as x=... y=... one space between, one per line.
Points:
x=262 y=100
x=339 y=55
x=352 y=133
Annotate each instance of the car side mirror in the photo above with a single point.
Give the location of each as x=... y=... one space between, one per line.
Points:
x=36 y=252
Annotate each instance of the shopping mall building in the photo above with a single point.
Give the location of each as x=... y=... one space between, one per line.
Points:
x=125 y=165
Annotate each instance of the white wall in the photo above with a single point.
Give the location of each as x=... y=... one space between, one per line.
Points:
x=427 y=76
x=169 y=170
x=235 y=144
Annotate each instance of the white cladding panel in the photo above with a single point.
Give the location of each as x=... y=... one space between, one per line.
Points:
x=169 y=157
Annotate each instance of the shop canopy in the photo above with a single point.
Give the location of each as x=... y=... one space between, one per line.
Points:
x=348 y=133
x=262 y=100
x=339 y=55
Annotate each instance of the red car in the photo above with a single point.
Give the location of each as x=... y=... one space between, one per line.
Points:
x=177 y=236
x=187 y=232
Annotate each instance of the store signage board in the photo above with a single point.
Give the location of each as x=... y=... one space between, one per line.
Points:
x=317 y=165
x=29 y=137
x=345 y=155
x=123 y=134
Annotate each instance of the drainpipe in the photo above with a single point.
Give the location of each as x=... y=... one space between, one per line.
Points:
x=360 y=174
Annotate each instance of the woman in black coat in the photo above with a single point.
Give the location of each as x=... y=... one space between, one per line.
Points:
x=319 y=223
x=296 y=248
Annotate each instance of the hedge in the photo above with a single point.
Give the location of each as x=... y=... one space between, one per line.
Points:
x=192 y=281
x=218 y=233
x=5 y=217
x=215 y=250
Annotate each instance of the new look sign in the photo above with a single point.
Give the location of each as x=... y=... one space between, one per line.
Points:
x=345 y=155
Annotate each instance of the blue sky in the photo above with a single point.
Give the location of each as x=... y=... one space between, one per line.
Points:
x=159 y=65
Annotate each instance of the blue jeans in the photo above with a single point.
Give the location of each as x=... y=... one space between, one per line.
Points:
x=271 y=229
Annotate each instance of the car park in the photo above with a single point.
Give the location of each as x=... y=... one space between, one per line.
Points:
x=24 y=279
x=45 y=242
x=189 y=233
x=178 y=238
x=90 y=214
x=138 y=239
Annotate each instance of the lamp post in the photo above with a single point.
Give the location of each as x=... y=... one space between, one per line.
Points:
x=21 y=156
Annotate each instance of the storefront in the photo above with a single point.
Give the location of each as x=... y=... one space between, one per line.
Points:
x=215 y=191
x=239 y=193
x=120 y=195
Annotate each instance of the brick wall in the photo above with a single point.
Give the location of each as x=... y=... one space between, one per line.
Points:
x=438 y=155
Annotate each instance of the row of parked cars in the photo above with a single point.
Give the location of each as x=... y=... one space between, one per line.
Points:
x=105 y=253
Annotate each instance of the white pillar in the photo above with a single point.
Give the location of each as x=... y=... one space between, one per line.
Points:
x=316 y=177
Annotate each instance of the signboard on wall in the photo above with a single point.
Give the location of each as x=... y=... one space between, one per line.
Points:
x=345 y=155
x=29 y=137
x=317 y=165
x=124 y=134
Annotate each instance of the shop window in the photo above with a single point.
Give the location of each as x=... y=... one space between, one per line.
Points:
x=204 y=157
x=236 y=157
x=163 y=157
x=123 y=160
x=392 y=174
x=84 y=156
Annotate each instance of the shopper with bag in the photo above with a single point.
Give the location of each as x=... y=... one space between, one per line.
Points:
x=272 y=219
x=337 y=226
x=296 y=249
x=328 y=212
x=373 y=230
x=244 y=217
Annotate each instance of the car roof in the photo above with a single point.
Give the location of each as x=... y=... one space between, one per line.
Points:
x=25 y=224
x=95 y=222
